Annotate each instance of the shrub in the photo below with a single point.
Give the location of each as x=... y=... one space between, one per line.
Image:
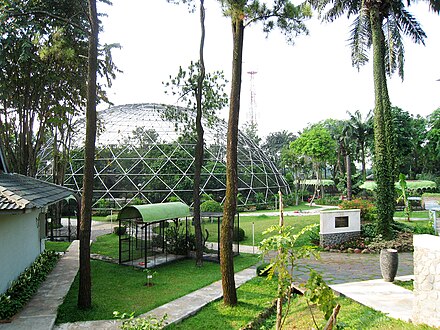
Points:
x=239 y=234
x=119 y=230
x=211 y=206
x=329 y=200
x=25 y=286
x=368 y=230
x=314 y=236
x=368 y=211
x=178 y=242
x=173 y=199
x=424 y=229
x=263 y=269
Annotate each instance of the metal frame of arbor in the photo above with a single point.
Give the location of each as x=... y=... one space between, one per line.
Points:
x=142 y=157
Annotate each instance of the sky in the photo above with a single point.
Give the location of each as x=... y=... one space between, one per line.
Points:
x=294 y=85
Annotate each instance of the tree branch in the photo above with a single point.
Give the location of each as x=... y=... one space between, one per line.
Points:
x=48 y=14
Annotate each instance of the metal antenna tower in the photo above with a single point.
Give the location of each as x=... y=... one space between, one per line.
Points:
x=252 y=114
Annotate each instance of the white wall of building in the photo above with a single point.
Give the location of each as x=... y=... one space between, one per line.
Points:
x=20 y=244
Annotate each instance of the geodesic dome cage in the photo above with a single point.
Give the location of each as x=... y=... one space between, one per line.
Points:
x=142 y=157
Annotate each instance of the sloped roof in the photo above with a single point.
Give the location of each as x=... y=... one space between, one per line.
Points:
x=19 y=192
x=155 y=212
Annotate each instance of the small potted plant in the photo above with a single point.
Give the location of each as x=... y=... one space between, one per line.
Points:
x=149 y=276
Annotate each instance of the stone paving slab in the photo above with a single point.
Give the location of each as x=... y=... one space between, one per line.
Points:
x=41 y=311
x=176 y=310
x=382 y=296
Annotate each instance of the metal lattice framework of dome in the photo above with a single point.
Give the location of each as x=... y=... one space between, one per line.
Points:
x=141 y=157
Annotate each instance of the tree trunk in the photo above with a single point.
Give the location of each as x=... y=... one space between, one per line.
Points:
x=85 y=285
x=348 y=172
x=279 y=320
x=364 y=167
x=198 y=159
x=383 y=136
x=230 y=204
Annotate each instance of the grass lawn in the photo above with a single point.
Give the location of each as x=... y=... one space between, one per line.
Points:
x=351 y=316
x=121 y=288
x=301 y=207
x=106 y=245
x=258 y=294
x=254 y=296
x=413 y=214
x=57 y=246
x=261 y=223
x=409 y=285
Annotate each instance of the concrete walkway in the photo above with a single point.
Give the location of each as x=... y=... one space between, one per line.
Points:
x=41 y=311
x=382 y=296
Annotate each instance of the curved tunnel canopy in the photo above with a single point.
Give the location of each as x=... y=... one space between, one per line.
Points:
x=155 y=212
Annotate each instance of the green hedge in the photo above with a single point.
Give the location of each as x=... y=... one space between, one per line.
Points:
x=26 y=285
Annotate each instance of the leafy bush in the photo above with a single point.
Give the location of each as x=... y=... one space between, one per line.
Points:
x=25 y=286
x=211 y=206
x=119 y=230
x=314 y=236
x=402 y=243
x=368 y=230
x=129 y=322
x=368 y=211
x=329 y=200
x=239 y=234
x=178 y=242
x=263 y=269
x=424 y=229
x=103 y=207
x=173 y=199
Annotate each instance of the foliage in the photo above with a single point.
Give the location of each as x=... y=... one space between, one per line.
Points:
x=119 y=230
x=412 y=185
x=238 y=235
x=275 y=142
x=372 y=26
x=314 y=236
x=26 y=285
x=184 y=87
x=403 y=195
x=178 y=241
x=316 y=143
x=263 y=269
x=328 y=200
x=129 y=322
x=368 y=230
x=283 y=240
x=423 y=229
x=149 y=273
x=368 y=211
x=320 y=294
x=403 y=242
x=211 y=206
x=44 y=48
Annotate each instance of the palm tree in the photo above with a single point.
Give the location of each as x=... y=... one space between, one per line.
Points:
x=380 y=24
x=361 y=133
